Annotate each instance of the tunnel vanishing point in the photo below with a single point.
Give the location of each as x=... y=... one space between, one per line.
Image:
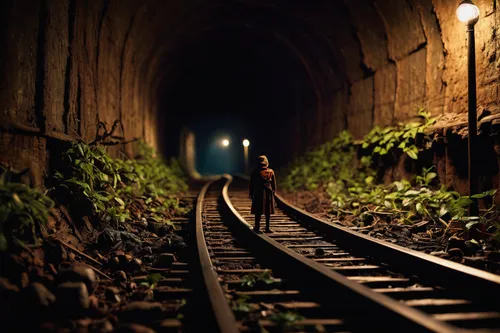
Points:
x=304 y=69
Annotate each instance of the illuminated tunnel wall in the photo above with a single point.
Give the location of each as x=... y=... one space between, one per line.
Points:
x=291 y=73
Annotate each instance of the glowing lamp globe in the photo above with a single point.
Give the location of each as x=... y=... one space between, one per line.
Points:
x=467 y=12
x=246 y=143
x=225 y=142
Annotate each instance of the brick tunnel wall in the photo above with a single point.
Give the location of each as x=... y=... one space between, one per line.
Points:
x=69 y=64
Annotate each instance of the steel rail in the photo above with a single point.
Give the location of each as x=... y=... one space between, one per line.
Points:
x=354 y=295
x=430 y=269
x=223 y=315
x=474 y=282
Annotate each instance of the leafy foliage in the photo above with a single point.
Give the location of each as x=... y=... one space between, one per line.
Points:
x=251 y=279
x=350 y=180
x=110 y=186
x=22 y=210
x=382 y=141
x=241 y=304
x=285 y=319
x=152 y=280
x=330 y=161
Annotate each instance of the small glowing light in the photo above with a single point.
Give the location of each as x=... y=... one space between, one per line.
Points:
x=246 y=143
x=467 y=12
x=225 y=142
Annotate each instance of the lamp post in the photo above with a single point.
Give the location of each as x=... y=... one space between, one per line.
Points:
x=246 y=143
x=225 y=142
x=468 y=13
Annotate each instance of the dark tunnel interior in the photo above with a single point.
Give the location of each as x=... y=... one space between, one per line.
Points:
x=239 y=82
x=121 y=210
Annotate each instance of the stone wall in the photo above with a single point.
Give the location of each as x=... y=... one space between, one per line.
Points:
x=415 y=55
x=68 y=65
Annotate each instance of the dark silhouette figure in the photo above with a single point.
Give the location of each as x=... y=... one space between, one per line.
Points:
x=261 y=191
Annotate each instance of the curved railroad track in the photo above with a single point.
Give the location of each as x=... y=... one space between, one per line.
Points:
x=436 y=294
x=309 y=274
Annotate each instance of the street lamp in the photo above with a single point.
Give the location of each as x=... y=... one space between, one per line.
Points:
x=246 y=143
x=468 y=13
x=225 y=142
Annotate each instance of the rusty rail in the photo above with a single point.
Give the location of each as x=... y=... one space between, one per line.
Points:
x=383 y=310
x=224 y=317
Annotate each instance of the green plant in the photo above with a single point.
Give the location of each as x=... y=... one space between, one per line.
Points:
x=251 y=279
x=285 y=319
x=22 y=210
x=381 y=141
x=112 y=187
x=349 y=178
x=333 y=160
x=242 y=304
x=152 y=280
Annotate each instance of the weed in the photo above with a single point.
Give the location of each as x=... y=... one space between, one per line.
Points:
x=251 y=279
x=152 y=280
x=22 y=210
x=285 y=319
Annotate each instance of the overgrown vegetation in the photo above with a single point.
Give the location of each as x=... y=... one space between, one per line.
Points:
x=249 y=280
x=285 y=319
x=22 y=210
x=110 y=188
x=348 y=175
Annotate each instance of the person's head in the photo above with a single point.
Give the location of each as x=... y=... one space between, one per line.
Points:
x=262 y=161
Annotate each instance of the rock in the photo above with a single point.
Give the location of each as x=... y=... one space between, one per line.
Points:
x=164 y=230
x=133 y=328
x=142 y=312
x=456 y=242
x=79 y=273
x=154 y=227
x=25 y=280
x=38 y=296
x=406 y=232
x=6 y=287
x=456 y=254
x=174 y=243
x=94 y=302
x=125 y=259
x=134 y=265
x=165 y=260
x=112 y=294
x=72 y=298
x=472 y=247
x=131 y=286
x=113 y=263
x=120 y=277
x=319 y=252
x=147 y=250
x=109 y=238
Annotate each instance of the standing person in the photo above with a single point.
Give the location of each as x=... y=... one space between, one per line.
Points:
x=261 y=191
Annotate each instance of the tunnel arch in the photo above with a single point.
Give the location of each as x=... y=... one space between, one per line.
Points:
x=67 y=64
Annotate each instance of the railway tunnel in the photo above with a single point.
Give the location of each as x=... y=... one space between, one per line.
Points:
x=290 y=76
